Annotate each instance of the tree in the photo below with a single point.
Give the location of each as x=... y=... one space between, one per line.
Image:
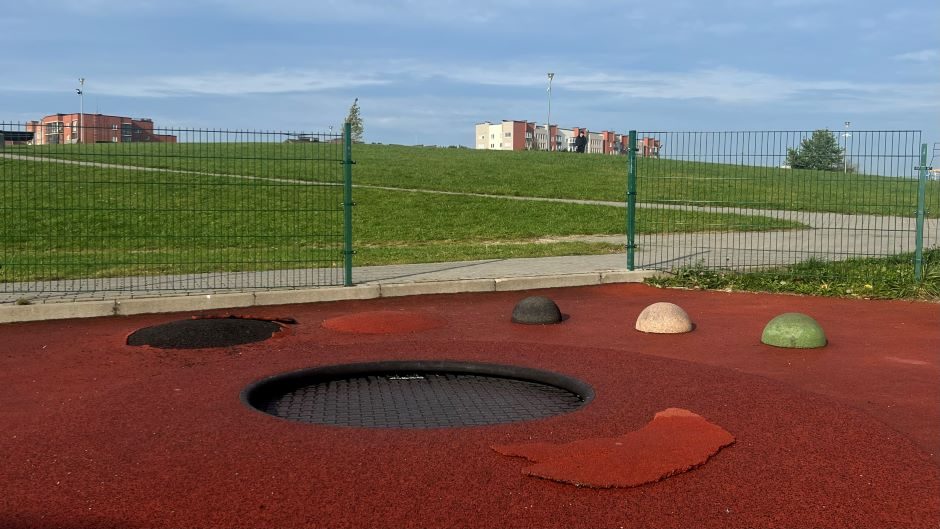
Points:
x=820 y=151
x=355 y=121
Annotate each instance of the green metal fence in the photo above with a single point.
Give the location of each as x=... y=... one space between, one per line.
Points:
x=145 y=211
x=863 y=194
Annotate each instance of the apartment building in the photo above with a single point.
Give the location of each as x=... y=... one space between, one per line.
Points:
x=516 y=135
x=94 y=128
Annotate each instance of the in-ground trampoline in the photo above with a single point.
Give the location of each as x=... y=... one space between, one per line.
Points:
x=417 y=394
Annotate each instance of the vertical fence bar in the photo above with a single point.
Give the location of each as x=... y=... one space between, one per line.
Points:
x=631 y=201
x=347 y=205
x=921 y=207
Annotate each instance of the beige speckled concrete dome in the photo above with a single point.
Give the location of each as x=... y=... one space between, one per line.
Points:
x=663 y=318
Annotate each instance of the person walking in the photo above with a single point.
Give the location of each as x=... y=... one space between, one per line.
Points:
x=580 y=142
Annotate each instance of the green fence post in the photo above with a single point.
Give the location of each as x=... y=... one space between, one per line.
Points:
x=921 y=212
x=631 y=200
x=347 y=205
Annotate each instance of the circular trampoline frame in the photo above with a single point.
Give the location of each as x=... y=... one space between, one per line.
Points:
x=260 y=394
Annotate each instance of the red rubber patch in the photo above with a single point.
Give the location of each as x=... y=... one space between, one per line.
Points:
x=383 y=322
x=675 y=441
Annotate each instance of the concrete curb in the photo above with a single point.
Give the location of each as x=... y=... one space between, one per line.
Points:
x=316 y=295
x=130 y=306
x=437 y=287
x=56 y=311
x=529 y=283
x=627 y=276
x=127 y=307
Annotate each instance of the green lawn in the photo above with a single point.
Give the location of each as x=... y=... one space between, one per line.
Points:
x=68 y=221
x=538 y=174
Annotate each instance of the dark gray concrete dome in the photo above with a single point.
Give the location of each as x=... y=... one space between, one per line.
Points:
x=536 y=310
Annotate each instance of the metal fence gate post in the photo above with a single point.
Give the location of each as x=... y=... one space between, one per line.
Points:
x=921 y=199
x=631 y=200
x=347 y=205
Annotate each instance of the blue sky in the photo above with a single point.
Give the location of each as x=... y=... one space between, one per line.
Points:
x=426 y=71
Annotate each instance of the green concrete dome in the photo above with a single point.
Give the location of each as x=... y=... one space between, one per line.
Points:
x=794 y=330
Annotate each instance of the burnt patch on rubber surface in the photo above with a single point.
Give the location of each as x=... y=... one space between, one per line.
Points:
x=205 y=333
x=417 y=395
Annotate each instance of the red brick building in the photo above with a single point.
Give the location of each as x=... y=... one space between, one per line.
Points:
x=95 y=128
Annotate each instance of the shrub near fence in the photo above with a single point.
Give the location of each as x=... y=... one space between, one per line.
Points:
x=150 y=216
x=865 y=206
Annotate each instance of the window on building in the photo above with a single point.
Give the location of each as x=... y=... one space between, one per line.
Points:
x=507 y=135
x=53 y=132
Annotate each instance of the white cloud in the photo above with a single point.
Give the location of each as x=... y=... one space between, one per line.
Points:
x=231 y=83
x=919 y=56
x=106 y=8
x=722 y=85
x=400 y=12
x=800 y=3
x=725 y=28
x=808 y=23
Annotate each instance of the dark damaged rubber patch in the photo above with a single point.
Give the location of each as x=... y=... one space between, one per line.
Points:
x=204 y=333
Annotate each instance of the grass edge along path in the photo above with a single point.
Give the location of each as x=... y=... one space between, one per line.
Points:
x=865 y=278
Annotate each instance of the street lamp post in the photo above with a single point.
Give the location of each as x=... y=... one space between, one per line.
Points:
x=548 y=125
x=81 y=112
x=845 y=147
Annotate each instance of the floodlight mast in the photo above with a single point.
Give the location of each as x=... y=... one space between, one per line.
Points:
x=845 y=147
x=81 y=112
x=548 y=124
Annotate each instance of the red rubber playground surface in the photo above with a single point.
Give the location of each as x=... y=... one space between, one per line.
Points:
x=97 y=433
